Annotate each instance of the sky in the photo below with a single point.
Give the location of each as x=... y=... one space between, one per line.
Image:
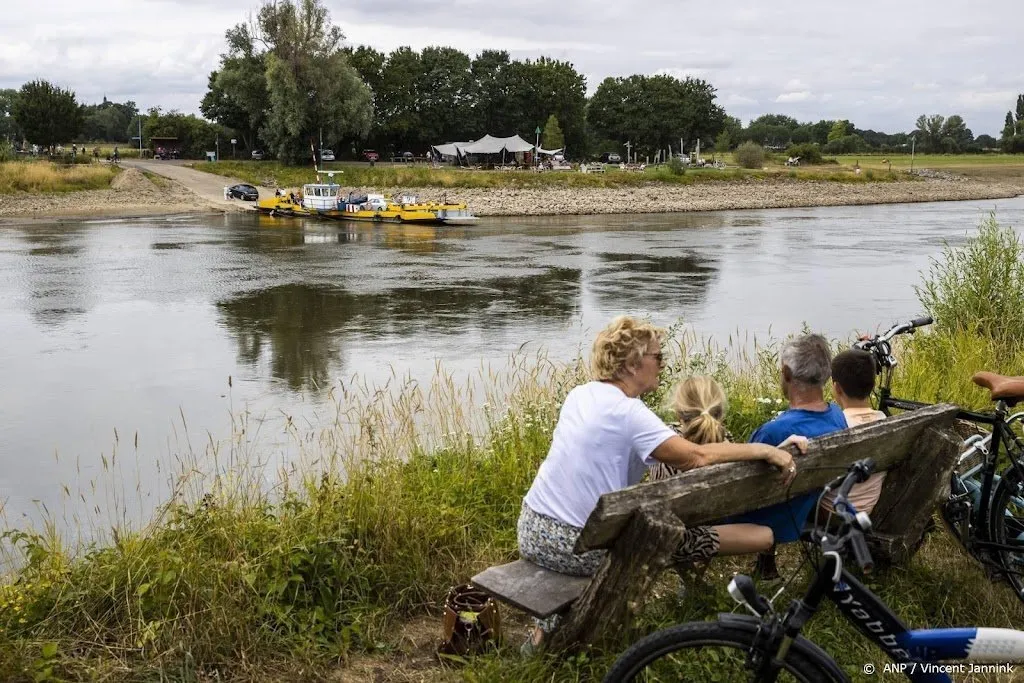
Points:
x=878 y=64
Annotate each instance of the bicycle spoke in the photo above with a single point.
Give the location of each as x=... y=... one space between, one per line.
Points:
x=712 y=663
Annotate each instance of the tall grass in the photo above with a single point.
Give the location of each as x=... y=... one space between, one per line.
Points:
x=397 y=496
x=44 y=176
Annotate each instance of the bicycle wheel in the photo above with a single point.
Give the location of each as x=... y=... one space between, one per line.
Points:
x=709 y=651
x=1006 y=524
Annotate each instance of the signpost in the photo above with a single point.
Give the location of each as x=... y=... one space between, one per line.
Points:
x=233 y=141
x=139 y=137
x=536 y=147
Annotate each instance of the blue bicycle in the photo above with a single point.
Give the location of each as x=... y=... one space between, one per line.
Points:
x=768 y=647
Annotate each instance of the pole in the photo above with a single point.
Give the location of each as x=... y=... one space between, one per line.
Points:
x=912 y=141
x=140 y=137
x=217 y=149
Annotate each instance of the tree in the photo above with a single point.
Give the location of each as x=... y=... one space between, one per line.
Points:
x=655 y=112
x=553 y=137
x=929 y=132
x=956 y=131
x=723 y=142
x=288 y=76
x=48 y=115
x=840 y=129
x=1010 y=126
x=1020 y=107
x=9 y=129
x=445 y=99
x=986 y=142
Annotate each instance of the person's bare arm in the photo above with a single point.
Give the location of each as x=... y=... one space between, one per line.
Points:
x=686 y=455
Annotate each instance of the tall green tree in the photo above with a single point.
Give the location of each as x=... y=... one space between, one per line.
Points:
x=929 y=132
x=840 y=129
x=445 y=102
x=490 y=108
x=955 y=131
x=9 y=129
x=288 y=74
x=1020 y=107
x=655 y=112
x=553 y=138
x=47 y=115
x=397 y=102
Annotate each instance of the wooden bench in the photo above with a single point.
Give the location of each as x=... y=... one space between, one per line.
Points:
x=641 y=525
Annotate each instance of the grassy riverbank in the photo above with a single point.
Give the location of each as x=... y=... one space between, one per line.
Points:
x=43 y=176
x=401 y=496
x=272 y=174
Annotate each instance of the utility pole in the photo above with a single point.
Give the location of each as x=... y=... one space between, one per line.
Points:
x=913 y=139
x=140 y=137
x=628 y=147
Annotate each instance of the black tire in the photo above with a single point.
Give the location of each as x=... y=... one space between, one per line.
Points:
x=1006 y=525
x=801 y=663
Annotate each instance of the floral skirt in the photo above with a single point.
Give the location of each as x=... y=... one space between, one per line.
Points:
x=547 y=542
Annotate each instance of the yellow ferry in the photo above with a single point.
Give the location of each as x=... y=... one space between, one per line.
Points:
x=325 y=200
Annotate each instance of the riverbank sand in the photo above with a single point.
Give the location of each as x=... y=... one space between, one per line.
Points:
x=133 y=194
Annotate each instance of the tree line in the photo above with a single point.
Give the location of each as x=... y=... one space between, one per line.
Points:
x=286 y=84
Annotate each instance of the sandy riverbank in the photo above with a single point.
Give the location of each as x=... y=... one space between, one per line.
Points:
x=130 y=194
x=753 y=194
x=133 y=194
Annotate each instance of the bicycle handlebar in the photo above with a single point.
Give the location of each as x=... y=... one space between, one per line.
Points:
x=854 y=523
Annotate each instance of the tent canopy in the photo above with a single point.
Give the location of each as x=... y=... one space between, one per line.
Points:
x=451 y=149
x=489 y=144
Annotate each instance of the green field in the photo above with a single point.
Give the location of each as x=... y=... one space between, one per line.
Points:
x=982 y=166
x=44 y=176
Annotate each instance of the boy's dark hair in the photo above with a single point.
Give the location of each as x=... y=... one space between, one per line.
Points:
x=854 y=371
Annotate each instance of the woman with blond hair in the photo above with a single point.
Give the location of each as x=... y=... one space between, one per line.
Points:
x=605 y=440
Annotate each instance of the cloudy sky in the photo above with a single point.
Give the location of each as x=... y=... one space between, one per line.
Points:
x=879 y=64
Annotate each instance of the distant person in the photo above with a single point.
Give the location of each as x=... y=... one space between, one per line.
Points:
x=805 y=368
x=117 y=155
x=853 y=380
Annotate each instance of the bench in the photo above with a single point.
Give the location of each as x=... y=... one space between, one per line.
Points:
x=641 y=525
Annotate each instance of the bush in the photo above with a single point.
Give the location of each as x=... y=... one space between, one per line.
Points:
x=749 y=155
x=978 y=288
x=809 y=153
x=676 y=166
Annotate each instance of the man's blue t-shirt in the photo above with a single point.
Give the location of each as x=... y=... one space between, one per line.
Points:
x=787 y=518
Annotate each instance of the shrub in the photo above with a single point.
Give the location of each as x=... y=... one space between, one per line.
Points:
x=809 y=152
x=750 y=155
x=676 y=166
x=978 y=288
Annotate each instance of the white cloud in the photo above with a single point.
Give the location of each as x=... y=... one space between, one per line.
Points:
x=795 y=85
x=802 y=96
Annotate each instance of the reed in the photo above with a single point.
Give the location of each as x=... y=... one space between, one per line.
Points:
x=44 y=176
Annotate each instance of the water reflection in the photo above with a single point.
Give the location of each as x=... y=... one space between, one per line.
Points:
x=651 y=281
x=56 y=278
x=302 y=328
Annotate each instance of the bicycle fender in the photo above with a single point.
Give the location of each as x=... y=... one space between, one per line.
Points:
x=807 y=648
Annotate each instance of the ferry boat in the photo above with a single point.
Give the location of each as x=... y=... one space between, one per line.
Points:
x=325 y=200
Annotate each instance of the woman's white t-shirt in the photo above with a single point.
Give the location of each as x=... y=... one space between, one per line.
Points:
x=602 y=442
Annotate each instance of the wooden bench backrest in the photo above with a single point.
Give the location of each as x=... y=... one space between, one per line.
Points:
x=708 y=494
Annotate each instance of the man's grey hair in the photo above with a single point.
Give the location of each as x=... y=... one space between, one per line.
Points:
x=809 y=359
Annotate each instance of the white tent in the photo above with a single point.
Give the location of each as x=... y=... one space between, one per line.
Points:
x=452 y=148
x=541 y=150
x=489 y=144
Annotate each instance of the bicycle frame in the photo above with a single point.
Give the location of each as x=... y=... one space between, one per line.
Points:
x=917 y=652
x=1001 y=435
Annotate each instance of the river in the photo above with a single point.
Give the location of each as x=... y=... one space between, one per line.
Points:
x=135 y=326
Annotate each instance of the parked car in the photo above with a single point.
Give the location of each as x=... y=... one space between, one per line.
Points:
x=326 y=155
x=257 y=155
x=611 y=158
x=244 y=192
x=370 y=155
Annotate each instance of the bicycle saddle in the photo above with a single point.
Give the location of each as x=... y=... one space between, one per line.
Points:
x=1003 y=388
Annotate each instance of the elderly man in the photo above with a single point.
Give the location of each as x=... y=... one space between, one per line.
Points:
x=806 y=367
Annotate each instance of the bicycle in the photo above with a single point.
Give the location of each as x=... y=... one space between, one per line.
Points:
x=768 y=644
x=985 y=510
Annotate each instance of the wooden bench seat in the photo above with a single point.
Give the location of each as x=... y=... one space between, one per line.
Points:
x=533 y=589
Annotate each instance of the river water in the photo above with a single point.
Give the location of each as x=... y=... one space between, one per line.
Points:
x=135 y=326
